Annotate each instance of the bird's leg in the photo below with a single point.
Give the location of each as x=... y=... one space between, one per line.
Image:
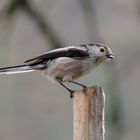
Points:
x=71 y=91
x=78 y=84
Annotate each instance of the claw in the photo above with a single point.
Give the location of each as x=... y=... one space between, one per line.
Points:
x=71 y=91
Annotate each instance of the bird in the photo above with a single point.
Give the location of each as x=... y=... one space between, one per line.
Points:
x=66 y=64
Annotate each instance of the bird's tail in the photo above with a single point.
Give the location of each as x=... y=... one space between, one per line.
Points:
x=16 y=69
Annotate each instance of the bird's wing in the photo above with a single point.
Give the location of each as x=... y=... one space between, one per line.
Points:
x=71 y=51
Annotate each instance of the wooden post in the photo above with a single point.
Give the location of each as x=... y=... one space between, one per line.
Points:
x=88 y=114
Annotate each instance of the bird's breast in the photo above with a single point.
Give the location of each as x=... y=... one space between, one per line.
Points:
x=65 y=69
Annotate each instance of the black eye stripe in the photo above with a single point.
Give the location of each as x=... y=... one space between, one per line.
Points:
x=91 y=44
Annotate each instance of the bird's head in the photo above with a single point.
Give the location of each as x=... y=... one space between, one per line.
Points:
x=100 y=52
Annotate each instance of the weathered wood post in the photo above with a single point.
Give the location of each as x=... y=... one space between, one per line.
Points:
x=88 y=114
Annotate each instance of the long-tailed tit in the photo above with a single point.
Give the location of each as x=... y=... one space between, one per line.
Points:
x=65 y=64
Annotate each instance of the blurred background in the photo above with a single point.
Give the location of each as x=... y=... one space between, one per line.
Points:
x=31 y=107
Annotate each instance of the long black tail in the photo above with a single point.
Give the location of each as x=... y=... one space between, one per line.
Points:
x=16 y=69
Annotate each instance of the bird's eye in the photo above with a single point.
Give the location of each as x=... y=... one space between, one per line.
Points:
x=102 y=50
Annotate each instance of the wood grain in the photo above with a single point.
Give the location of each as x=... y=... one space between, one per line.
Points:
x=88 y=114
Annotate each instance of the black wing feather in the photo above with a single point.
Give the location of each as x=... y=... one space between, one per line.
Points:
x=70 y=52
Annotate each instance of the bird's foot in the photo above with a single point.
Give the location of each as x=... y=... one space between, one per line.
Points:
x=83 y=86
x=71 y=91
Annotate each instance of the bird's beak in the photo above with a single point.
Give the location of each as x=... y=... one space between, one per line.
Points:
x=110 y=56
